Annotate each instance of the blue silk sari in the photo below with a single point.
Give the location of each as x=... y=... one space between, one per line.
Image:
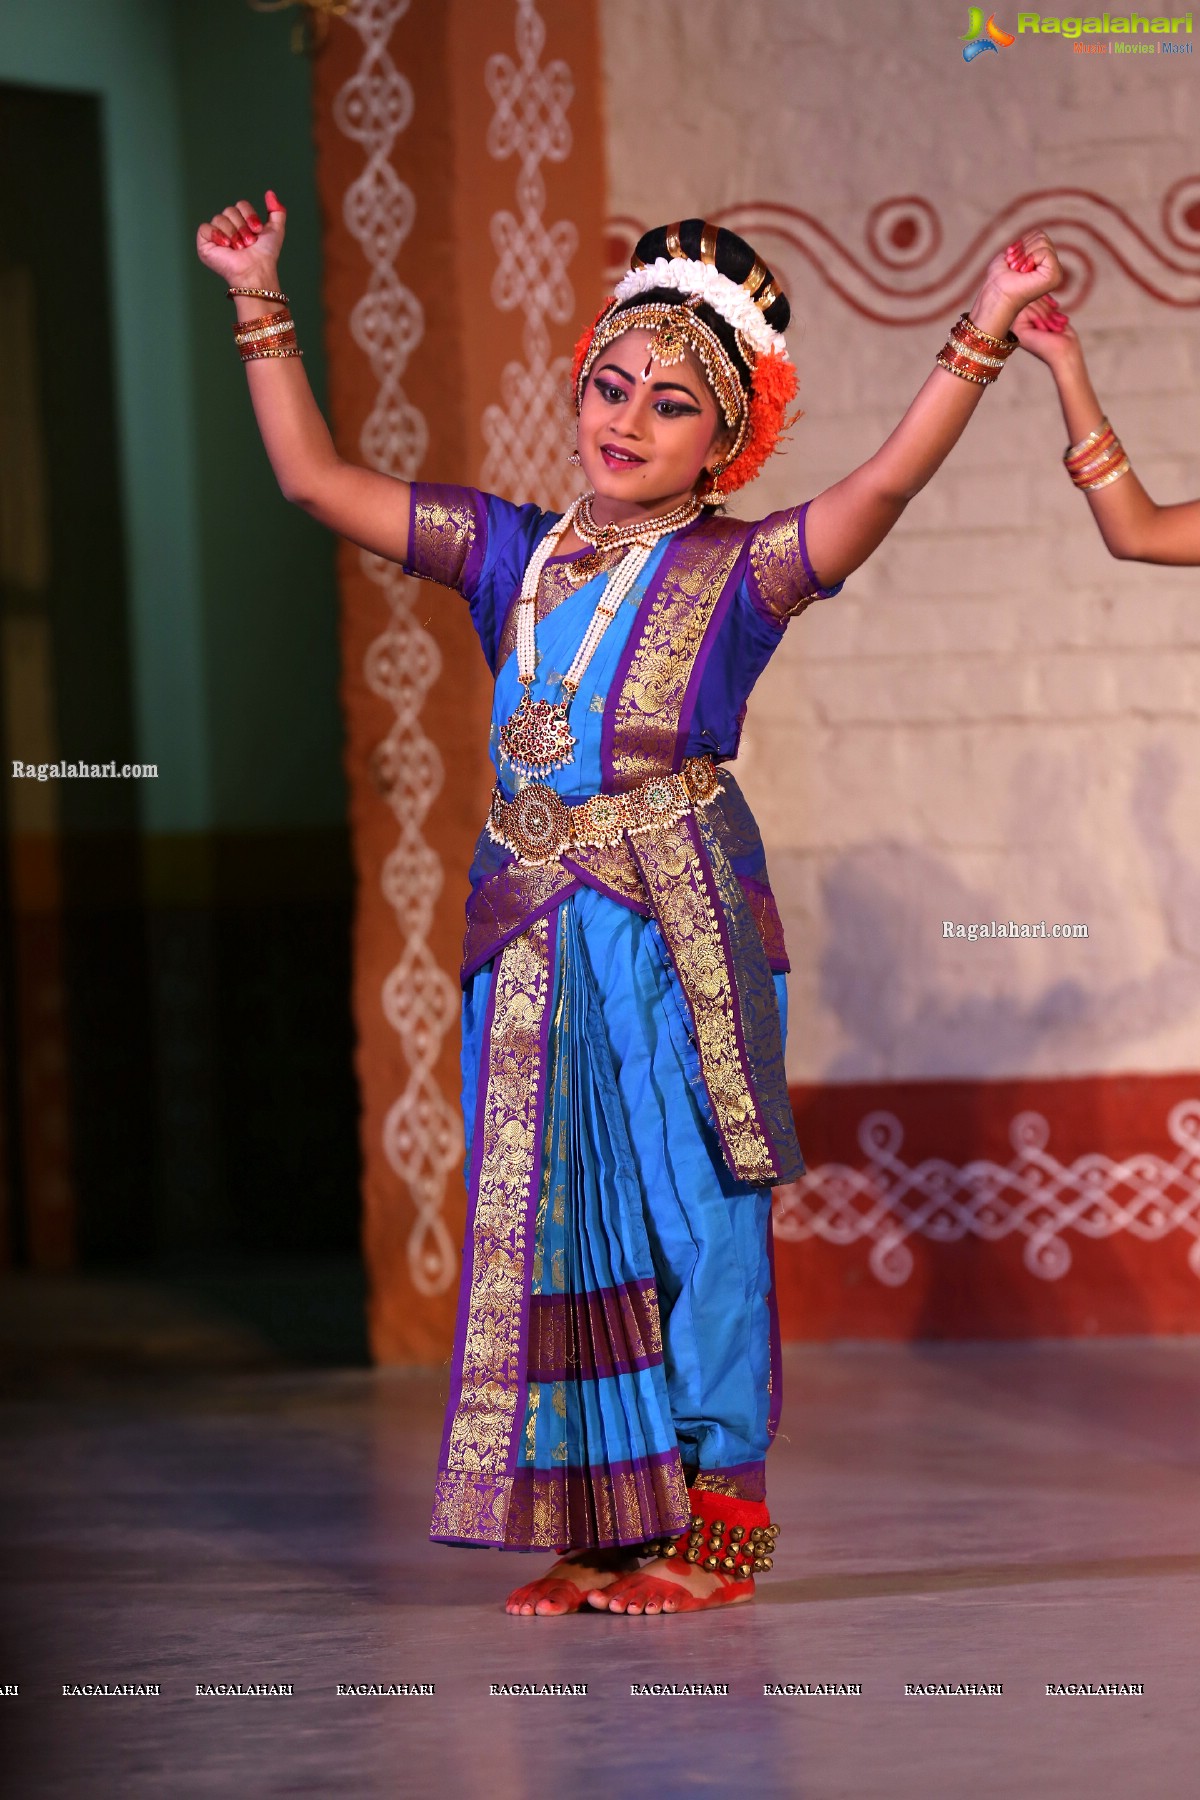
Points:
x=617 y=1339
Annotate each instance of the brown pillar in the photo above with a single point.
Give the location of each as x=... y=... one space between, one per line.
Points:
x=461 y=167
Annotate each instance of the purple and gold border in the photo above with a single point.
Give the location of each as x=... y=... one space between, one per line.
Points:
x=643 y=732
x=488 y=1379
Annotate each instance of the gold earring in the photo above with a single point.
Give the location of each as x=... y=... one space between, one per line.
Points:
x=712 y=495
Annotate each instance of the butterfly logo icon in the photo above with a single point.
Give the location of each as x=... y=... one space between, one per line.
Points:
x=979 y=37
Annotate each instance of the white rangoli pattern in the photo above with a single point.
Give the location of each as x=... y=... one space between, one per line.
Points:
x=422 y=1133
x=528 y=433
x=1042 y=1199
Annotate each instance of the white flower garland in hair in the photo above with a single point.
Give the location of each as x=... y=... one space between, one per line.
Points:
x=722 y=294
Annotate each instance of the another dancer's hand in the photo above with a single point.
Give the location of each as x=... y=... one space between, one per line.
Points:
x=239 y=247
x=1046 y=332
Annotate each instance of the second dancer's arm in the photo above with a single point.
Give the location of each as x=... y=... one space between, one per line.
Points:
x=1134 y=527
x=851 y=519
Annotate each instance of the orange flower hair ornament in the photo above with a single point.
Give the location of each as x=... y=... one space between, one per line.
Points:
x=758 y=418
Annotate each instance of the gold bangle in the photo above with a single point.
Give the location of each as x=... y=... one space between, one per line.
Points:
x=1002 y=346
x=1095 y=465
x=272 y=351
x=1102 y=469
x=256 y=294
x=1084 y=457
x=264 y=322
x=1073 y=451
x=953 y=361
x=1087 y=465
x=276 y=343
x=982 y=357
x=1099 y=481
x=261 y=329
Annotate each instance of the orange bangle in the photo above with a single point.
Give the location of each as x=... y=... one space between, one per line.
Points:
x=955 y=362
x=1102 y=444
x=269 y=325
x=978 y=339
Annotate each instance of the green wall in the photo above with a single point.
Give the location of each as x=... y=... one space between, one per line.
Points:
x=231 y=591
x=267 y=570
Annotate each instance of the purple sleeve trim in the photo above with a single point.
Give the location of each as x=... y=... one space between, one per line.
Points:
x=447 y=534
x=815 y=590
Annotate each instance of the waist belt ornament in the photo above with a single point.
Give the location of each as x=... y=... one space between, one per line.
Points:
x=539 y=827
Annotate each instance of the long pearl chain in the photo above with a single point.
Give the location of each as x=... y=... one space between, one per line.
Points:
x=537 y=738
x=641 y=540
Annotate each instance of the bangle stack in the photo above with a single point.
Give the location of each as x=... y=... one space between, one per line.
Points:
x=973 y=354
x=1096 y=459
x=271 y=335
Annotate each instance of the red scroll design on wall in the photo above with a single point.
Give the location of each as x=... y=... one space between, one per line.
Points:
x=901 y=277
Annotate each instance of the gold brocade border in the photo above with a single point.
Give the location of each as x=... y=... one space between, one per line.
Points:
x=614 y=867
x=475 y=1483
x=761 y=1041
x=647 y=713
x=674 y=873
x=442 y=534
x=553 y=1508
x=779 y=567
x=747 y=1484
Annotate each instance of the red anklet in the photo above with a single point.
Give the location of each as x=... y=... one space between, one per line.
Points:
x=727 y=1536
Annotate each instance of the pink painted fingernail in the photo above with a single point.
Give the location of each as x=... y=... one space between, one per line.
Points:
x=218 y=237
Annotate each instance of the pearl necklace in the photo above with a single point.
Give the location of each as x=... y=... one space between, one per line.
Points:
x=608 y=537
x=537 y=737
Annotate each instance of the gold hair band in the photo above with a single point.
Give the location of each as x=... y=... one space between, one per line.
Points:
x=757 y=276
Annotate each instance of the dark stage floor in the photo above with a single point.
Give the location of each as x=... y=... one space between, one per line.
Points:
x=1020 y=1515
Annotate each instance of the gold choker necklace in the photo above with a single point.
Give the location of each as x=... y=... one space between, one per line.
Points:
x=609 y=537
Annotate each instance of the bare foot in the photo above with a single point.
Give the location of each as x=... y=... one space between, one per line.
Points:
x=642 y=1590
x=570 y=1582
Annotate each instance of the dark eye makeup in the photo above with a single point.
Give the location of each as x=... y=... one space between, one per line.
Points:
x=669 y=409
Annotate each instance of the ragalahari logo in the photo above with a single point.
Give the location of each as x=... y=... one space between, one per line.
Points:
x=983 y=37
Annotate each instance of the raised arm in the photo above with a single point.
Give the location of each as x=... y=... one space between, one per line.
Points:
x=851 y=519
x=1135 y=527
x=363 y=505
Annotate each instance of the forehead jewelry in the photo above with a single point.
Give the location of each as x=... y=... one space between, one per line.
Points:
x=669 y=340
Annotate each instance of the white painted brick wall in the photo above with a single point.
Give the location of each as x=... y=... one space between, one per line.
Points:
x=995 y=719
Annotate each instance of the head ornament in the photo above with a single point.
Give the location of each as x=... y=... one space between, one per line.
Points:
x=753 y=405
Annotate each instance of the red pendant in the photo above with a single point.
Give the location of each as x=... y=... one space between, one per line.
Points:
x=538 y=737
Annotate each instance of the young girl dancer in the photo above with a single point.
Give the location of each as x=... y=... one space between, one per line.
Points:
x=1134 y=526
x=615 y=1381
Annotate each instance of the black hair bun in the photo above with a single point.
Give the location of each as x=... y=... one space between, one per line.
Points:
x=735 y=258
